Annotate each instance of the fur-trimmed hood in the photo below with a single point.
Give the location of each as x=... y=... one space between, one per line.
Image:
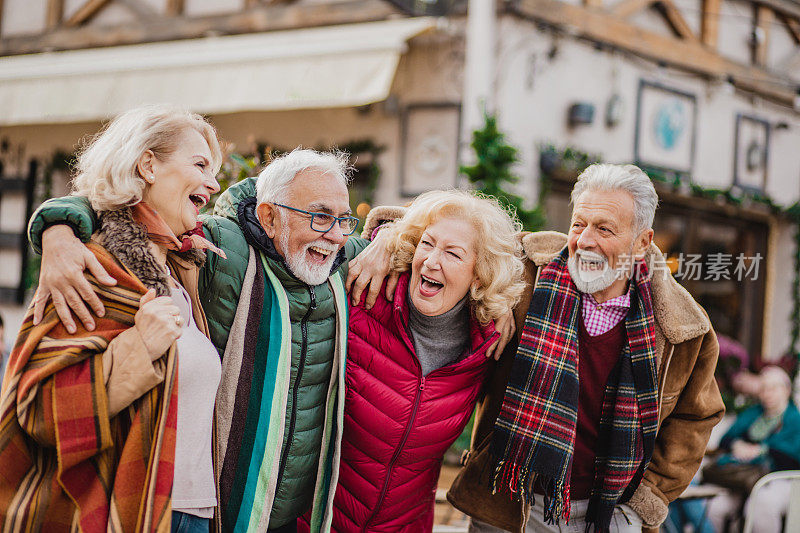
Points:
x=127 y=240
x=680 y=317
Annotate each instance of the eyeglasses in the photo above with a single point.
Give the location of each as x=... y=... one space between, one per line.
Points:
x=323 y=222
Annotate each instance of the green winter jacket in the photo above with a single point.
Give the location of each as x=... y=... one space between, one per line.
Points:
x=311 y=310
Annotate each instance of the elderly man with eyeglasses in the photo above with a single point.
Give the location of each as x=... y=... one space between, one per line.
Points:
x=277 y=313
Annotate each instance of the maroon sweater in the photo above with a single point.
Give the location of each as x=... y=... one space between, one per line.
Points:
x=597 y=357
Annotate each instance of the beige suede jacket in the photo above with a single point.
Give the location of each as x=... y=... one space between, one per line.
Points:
x=689 y=401
x=127 y=367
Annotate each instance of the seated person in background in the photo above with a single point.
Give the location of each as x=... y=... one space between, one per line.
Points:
x=768 y=434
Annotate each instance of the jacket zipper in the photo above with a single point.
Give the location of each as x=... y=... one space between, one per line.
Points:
x=296 y=388
x=396 y=455
x=401 y=444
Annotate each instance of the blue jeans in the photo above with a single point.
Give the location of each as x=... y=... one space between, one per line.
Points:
x=693 y=511
x=189 y=523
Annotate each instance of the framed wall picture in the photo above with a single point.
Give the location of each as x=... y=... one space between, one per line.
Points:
x=430 y=140
x=666 y=122
x=751 y=152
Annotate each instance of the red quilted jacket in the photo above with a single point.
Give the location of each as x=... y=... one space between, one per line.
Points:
x=398 y=424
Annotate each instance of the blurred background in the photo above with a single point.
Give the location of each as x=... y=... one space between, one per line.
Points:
x=513 y=97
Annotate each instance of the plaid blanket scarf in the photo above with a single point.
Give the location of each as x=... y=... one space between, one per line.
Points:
x=252 y=401
x=534 y=434
x=64 y=463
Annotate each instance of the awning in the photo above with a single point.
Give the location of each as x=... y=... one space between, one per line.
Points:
x=334 y=66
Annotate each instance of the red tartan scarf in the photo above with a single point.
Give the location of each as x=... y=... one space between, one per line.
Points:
x=534 y=435
x=63 y=461
x=158 y=232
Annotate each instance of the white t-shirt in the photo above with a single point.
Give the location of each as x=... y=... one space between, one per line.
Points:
x=199 y=372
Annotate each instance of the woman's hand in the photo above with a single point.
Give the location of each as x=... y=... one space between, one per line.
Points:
x=745 y=451
x=64 y=259
x=159 y=322
x=370 y=268
x=506 y=327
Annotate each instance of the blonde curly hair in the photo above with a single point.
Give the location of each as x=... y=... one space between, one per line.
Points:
x=498 y=268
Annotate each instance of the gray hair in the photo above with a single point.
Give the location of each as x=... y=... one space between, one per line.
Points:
x=107 y=172
x=629 y=178
x=274 y=181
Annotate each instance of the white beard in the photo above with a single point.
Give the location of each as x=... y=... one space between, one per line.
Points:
x=594 y=280
x=305 y=272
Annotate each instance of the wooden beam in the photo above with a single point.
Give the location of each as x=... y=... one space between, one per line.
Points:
x=55 y=13
x=251 y=3
x=793 y=25
x=709 y=30
x=785 y=7
x=675 y=20
x=262 y=18
x=85 y=12
x=763 y=22
x=626 y=8
x=593 y=3
x=175 y=7
x=686 y=55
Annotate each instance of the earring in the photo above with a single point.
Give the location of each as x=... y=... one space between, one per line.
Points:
x=151 y=179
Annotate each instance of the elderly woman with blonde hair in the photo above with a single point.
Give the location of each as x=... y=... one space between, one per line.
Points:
x=96 y=433
x=417 y=364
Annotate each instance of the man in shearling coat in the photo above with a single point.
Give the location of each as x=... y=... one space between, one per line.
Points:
x=600 y=412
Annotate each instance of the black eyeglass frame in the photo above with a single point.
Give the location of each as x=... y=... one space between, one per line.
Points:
x=316 y=214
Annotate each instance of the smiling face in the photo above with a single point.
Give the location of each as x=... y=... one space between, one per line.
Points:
x=443 y=268
x=773 y=394
x=308 y=253
x=602 y=243
x=180 y=184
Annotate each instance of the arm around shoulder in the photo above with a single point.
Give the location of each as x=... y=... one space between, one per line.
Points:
x=74 y=211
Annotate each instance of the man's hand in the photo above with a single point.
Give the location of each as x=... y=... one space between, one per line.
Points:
x=64 y=258
x=506 y=327
x=370 y=268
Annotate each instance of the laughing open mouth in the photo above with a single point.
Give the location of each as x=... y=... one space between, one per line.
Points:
x=590 y=265
x=198 y=200
x=429 y=287
x=319 y=254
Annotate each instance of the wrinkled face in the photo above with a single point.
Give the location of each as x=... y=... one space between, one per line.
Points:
x=182 y=183
x=602 y=242
x=309 y=253
x=443 y=267
x=773 y=394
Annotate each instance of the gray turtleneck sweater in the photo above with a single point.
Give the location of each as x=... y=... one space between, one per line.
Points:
x=442 y=339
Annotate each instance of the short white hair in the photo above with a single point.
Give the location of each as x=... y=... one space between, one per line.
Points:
x=274 y=181
x=629 y=178
x=107 y=172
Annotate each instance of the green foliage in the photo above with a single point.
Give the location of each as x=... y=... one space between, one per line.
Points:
x=235 y=168
x=492 y=172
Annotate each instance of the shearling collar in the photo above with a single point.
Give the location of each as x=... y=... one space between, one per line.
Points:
x=381 y=215
x=127 y=240
x=680 y=317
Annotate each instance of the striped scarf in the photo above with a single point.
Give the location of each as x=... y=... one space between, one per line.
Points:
x=534 y=434
x=65 y=464
x=252 y=402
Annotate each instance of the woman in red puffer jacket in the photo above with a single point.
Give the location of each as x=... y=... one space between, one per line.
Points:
x=416 y=364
